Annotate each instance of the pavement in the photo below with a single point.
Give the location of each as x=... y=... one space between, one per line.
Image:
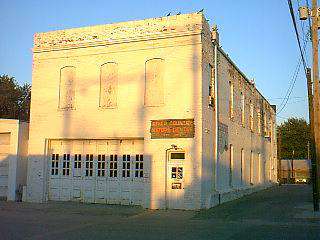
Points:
x=282 y=212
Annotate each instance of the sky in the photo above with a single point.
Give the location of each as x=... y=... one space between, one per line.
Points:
x=258 y=35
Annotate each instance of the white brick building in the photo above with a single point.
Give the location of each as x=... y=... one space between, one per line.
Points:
x=146 y=112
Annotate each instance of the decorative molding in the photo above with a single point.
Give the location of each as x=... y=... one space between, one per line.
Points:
x=119 y=32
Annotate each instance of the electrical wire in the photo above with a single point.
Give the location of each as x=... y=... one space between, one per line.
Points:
x=297 y=35
x=301 y=60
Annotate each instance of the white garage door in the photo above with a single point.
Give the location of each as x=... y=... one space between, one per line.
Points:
x=4 y=163
x=100 y=171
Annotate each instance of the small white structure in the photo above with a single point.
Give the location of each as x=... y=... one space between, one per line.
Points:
x=13 y=157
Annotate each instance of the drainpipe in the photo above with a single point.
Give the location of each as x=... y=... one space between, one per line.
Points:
x=216 y=114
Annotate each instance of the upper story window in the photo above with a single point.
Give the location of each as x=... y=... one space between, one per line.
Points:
x=259 y=121
x=242 y=109
x=154 y=84
x=251 y=116
x=108 y=85
x=67 y=88
x=231 y=100
x=211 y=85
x=265 y=130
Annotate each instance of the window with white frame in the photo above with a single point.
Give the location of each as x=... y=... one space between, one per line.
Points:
x=139 y=166
x=113 y=168
x=101 y=165
x=77 y=161
x=125 y=166
x=89 y=165
x=66 y=165
x=54 y=164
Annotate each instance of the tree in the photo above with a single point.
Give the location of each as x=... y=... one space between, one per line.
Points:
x=14 y=99
x=295 y=136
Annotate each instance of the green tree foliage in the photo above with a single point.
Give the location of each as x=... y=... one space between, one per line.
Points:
x=14 y=99
x=295 y=135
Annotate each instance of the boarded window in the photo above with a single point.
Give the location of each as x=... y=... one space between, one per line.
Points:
x=108 y=85
x=231 y=165
x=154 y=89
x=67 y=88
x=231 y=101
x=211 y=85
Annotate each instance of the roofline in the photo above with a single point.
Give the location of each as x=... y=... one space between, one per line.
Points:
x=242 y=74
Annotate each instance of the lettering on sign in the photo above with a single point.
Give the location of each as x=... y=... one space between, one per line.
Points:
x=172 y=128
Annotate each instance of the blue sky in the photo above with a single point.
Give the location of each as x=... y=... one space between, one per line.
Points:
x=257 y=34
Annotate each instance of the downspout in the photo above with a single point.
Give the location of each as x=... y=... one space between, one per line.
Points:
x=216 y=114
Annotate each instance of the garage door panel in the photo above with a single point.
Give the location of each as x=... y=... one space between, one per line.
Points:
x=79 y=186
x=54 y=194
x=66 y=189
x=113 y=192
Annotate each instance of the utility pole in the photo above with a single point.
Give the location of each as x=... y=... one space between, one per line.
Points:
x=279 y=159
x=313 y=150
x=305 y=13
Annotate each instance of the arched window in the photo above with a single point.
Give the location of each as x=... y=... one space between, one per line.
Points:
x=154 y=89
x=108 y=85
x=67 y=87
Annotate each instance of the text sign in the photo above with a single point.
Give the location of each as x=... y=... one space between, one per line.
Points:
x=172 y=128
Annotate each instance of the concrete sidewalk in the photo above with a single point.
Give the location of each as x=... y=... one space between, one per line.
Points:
x=278 y=213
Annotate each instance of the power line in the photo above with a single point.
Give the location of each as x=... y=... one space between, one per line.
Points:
x=297 y=35
x=301 y=60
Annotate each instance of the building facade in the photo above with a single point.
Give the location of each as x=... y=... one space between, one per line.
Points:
x=150 y=113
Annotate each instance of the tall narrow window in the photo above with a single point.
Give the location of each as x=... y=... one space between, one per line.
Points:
x=242 y=165
x=139 y=166
x=230 y=165
x=251 y=168
x=67 y=88
x=55 y=164
x=66 y=165
x=154 y=87
x=108 y=85
x=265 y=122
x=101 y=165
x=242 y=109
x=231 y=100
x=259 y=121
x=113 y=172
x=77 y=165
x=211 y=85
x=77 y=161
x=251 y=116
x=260 y=168
x=89 y=165
x=126 y=166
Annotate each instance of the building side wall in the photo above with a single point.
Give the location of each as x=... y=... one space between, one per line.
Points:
x=242 y=135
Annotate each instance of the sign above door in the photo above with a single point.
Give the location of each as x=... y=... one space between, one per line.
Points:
x=172 y=128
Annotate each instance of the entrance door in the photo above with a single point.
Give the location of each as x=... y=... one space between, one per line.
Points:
x=175 y=180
